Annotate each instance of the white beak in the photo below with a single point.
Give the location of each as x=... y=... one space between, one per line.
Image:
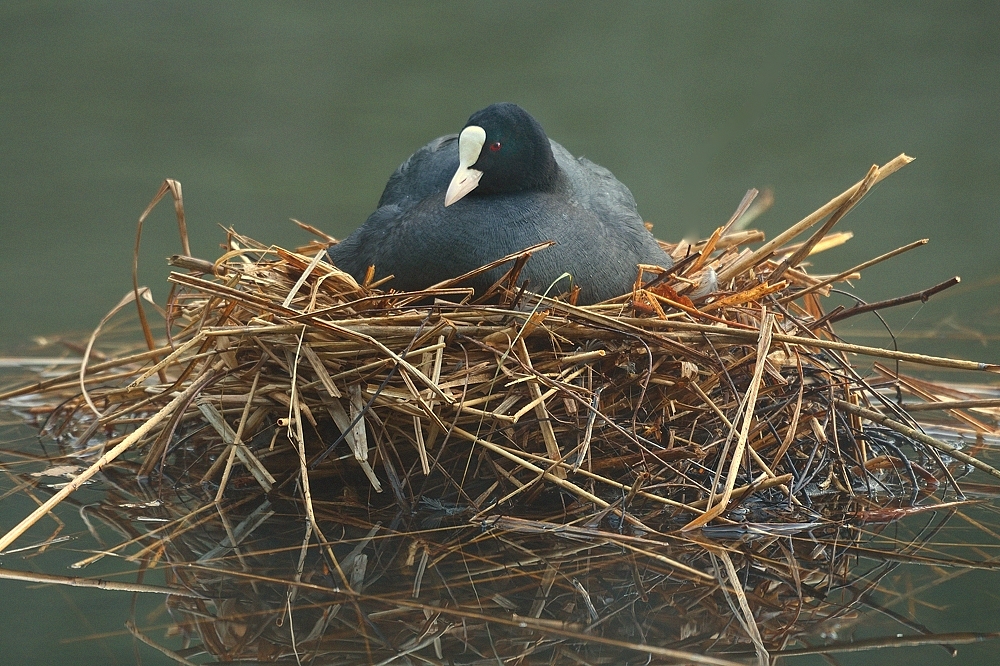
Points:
x=470 y=144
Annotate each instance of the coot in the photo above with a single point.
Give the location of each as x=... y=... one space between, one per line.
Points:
x=500 y=186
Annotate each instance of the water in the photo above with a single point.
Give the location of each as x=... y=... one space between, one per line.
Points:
x=268 y=112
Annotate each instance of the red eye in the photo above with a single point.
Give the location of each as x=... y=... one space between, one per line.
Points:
x=495 y=146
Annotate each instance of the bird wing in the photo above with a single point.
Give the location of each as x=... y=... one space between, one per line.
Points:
x=426 y=172
x=596 y=189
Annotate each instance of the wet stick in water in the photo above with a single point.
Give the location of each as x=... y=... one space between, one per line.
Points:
x=121 y=448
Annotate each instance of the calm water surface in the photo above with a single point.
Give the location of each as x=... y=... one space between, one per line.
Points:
x=267 y=112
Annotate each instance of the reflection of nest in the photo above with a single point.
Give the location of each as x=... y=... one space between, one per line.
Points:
x=510 y=476
x=503 y=593
x=431 y=584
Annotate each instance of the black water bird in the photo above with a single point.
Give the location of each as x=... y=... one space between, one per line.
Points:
x=500 y=186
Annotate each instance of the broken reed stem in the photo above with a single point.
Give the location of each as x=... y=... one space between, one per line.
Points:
x=541 y=414
x=96 y=583
x=912 y=433
x=767 y=249
x=92 y=370
x=138 y=635
x=863 y=645
x=552 y=476
x=796 y=257
x=922 y=390
x=305 y=276
x=237 y=442
x=857 y=269
x=744 y=613
x=174 y=187
x=950 y=404
x=136 y=295
x=923 y=359
x=749 y=401
x=893 y=302
x=136 y=436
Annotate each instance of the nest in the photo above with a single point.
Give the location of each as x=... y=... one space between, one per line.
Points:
x=504 y=475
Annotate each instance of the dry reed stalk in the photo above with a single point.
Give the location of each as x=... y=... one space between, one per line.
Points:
x=948 y=449
x=78 y=581
x=101 y=462
x=747 y=409
x=737 y=268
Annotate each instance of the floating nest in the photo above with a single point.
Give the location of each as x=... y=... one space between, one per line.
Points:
x=340 y=473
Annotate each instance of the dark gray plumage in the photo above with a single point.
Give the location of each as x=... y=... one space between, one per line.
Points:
x=530 y=190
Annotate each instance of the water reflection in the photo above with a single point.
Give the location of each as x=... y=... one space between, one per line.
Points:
x=384 y=585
